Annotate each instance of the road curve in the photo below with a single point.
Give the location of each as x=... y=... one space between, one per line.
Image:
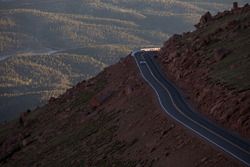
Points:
x=175 y=105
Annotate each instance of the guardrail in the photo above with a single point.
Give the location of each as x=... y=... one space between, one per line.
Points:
x=150 y=49
x=145 y=49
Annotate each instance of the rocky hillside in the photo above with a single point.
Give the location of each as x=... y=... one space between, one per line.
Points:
x=110 y=120
x=212 y=66
x=65 y=42
x=114 y=119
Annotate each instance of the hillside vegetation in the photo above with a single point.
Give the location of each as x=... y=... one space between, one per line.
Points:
x=115 y=120
x=212 y=66
x=46 y=46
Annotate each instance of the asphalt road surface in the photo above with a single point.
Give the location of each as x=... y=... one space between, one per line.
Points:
x=175 y=105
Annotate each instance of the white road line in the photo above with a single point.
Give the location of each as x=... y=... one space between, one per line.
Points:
x=172 y=100
x=226 y=150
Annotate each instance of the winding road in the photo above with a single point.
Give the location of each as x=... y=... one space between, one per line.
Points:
x=176 y=106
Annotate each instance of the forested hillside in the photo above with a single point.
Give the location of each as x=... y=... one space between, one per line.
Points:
x=46 y=46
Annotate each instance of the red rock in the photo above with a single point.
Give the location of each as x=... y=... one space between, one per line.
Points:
x=22 y=118
x=246 y=5
x=100 y=98
x=204 y=159
x=207 y=17
x=172 y=55
x=128 y=90
x=94 y=102
x=52 y=100
x=242 y=120
x=221 y=53
x=233 y=66
x=233 y=24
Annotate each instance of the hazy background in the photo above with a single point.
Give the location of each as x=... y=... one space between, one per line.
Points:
x=46 y=46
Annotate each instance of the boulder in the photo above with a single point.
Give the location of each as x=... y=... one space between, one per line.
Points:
x=235 y=5
x=52 y=100
x=128 y=90
x=221 y=53
x=246 y=5
x=207 y=17
x=242 y=120
x=94 y=102
x=100 y=98
x=233 y=24
x=22 y=119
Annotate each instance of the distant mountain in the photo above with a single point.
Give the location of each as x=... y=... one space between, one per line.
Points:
x=114 y=118
x=47 y=46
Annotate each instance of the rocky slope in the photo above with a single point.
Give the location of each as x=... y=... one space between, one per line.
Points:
x=212 y=66
x=71 y=41
x=114 y=119
x=110 y=120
